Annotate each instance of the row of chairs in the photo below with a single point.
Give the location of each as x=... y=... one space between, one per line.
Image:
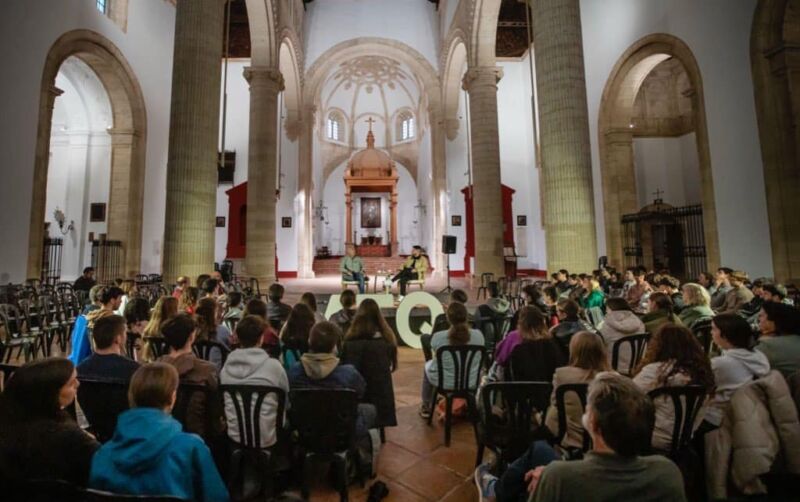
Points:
x=509 y=288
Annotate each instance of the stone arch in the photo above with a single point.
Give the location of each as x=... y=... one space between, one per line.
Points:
x=454 y=67
x=616 y=138
x=775 y=36
x=128 y=143
x=289 y=64
x=484 y=32
x=263 y=35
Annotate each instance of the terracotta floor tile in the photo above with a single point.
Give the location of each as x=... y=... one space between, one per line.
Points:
x=430 y=480
x=466 y=492
x=458 y=458
x=394 y=460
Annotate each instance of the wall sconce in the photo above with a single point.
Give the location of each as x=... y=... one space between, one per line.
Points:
x=420 y=210
x=321 y=212
x=58 y=214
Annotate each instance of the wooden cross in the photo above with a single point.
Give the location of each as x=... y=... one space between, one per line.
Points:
x=658 y=193
x=370 y=122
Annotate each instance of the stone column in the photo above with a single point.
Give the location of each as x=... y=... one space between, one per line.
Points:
x=394 y=240
x=439 y=163
x=262 y=168
x=566 y=177
x=41 y=164
x=124 y=209
x=304 y=128
x=193 y=137
x=481 y=84
x=348 y=206
x=619 y=189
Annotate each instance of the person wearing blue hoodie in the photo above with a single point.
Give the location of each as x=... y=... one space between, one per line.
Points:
x=149 y=454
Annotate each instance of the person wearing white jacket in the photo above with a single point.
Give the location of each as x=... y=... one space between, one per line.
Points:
x=739 y=363
x=251 y=365
x=620 y=321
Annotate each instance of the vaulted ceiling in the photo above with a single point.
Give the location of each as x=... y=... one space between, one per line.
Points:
x=512 y=30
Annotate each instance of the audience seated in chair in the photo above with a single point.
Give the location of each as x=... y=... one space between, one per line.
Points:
x=319 y=368
x=495 y=306
x=720 y=287
x=204 y=414
x=569 y=323
x=234 y=311
x=441 y=324
x=109 y=300
x=251 y=365
x=271 y=342
x=371 y=347
x=343 y=318
x=638 y=289
x=294 y=334
x=659 y=312
x=459 y=334
x=738 y=296
x=619 y=418
x=189 y=299
x=149 y=454
x=277 y=311
x=311 y=301
x=108 y=361
x=414 y=269
x=670 y=286
x=738 y=364
x=593 y=296
x=137 y=315
x=38 y=438
x=209 y=327
x=165 y=309
x=620 y=321
x=181 y=283
x=86 y=281
x=674 y=357
x=779 y=325
x=540 y=354
x=587 y=358
x=696 y=305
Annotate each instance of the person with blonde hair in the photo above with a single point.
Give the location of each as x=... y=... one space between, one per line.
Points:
x=593 y=295
x=166 y=308
x=189 y=299
x=697 y=304
x=587 y=358
x=181 y=284
x=149 y=453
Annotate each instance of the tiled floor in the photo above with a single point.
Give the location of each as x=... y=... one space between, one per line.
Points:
x=414 y=463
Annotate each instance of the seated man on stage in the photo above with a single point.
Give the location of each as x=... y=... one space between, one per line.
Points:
x=353 y=269
x=415 y=267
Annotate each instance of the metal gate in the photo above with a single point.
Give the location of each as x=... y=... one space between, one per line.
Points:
x=676 y=235
x=51 y=260
x=107 y=259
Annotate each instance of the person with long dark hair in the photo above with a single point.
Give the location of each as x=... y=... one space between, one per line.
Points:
x=660 y=311
x=371 y=347
x=38 y=438
x=459 y=334
x=210 y=327
x=673 y=357
x=294 y=334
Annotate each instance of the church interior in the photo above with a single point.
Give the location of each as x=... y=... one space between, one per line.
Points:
x=409 y=174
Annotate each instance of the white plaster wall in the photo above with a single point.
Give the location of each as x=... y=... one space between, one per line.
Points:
x=518 y=161
x=414 y=22
x=718 y=33
x=28 y=29
x=457 y=155
x=669 y=165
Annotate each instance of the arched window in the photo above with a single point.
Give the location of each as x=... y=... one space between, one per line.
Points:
x=335 y=127
x=101 y=5
x=406 y=128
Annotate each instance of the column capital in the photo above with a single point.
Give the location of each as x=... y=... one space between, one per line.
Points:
x=478 y=76
x=263 y=76
x=52 y=93
x=120 y=136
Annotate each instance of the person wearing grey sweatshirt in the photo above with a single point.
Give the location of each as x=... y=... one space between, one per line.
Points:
x=251 y=365
x=738 y=364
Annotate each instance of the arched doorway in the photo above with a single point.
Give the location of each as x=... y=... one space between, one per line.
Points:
x=773 y=48
x=622 y=121
x=127 y=131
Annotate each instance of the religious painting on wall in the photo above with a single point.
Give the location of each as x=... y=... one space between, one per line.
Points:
x=97 y=212
x=455 y=220
x=220 y=221
x=370 y=212
x=286 y=222
x=522 y=220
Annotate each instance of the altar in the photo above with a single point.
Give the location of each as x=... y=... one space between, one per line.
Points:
x=371 y=179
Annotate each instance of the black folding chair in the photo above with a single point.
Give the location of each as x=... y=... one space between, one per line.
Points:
x=702 y=330
x=102 y=401
x=638 y=345
x=248 y=402
x=494 y=328
x=463 y=359
x=18 y=334
x=509 y=434
x=325 y=421
x=204 y=348
x=687 y=400
x=580 y=390
x=157 y=344
x=101 y=496
x=486 y=278
x=6 y=370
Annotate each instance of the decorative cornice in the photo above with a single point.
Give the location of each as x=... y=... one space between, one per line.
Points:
x=482 y=75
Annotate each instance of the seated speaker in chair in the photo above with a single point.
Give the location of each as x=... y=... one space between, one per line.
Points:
x=413 y=269
x=352 y=269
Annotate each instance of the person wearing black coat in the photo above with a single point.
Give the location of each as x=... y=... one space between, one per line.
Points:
x=38 y=438
x=536 y=360
x=370 y=345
